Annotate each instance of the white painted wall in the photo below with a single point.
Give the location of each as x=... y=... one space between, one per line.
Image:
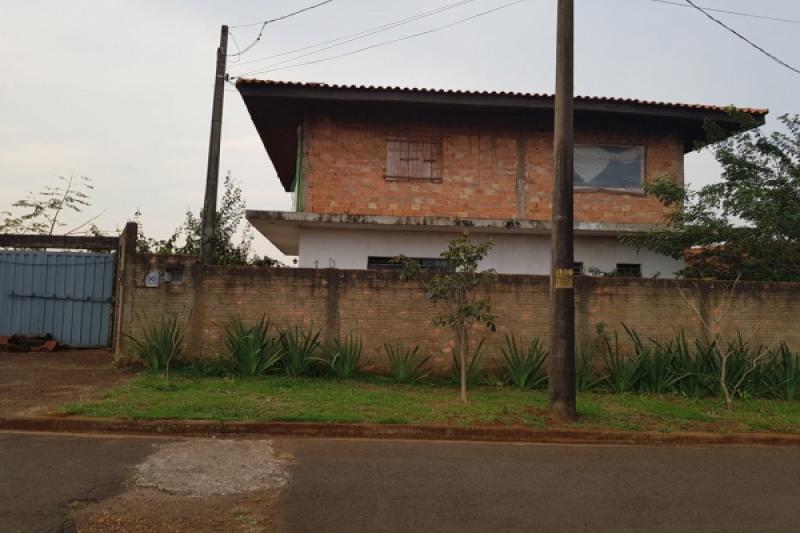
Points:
x=511 y=254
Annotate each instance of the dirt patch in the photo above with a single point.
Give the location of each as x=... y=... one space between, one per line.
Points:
x=37 y=383
x=195 y=485
x=148 y=510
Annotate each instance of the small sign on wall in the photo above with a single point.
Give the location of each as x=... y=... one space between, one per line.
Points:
x=152 y=278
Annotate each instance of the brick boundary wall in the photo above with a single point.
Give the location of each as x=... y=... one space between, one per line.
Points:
x=380 y=307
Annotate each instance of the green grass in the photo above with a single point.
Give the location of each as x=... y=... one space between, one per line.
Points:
x=378 y=400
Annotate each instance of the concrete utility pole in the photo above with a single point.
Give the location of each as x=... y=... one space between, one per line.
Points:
x=212 y=175
x=562 y=300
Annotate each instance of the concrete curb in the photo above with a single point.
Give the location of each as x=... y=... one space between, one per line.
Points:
x=377 y=431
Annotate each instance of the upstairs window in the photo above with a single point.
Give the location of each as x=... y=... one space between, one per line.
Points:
x=609 y=166
x=430 y=264
x=629 y=270
x=414 y=159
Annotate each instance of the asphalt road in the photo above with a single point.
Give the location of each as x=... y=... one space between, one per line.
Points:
x=465 y=487
x=341 y=485
x=42 y=475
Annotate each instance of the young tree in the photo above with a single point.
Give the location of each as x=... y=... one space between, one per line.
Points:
x=226 y=251
x=746 y=226
x=457 y=291
x=43 y=211
x=713 y=319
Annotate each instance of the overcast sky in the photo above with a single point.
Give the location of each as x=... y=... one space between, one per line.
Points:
x=120 y=91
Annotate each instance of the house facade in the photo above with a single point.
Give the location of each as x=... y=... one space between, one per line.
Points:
x=377 y=172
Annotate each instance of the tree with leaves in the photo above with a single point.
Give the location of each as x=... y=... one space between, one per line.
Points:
x=458 y=292
x=748 y=225
x=185 y=240
x=43 y=212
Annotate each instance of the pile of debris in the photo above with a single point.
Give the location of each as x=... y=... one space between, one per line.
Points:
x=28 y=343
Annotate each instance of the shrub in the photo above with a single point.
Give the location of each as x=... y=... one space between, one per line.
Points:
x=299 y=350
x=344 y=356
x=524 y=368
x=253 y=352
x=474 y=365
x=406 y=366
x=159 y=345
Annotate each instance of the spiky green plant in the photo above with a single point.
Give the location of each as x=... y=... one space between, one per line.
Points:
x=474 y=365
x=657 y=372
x=697 y=363
x=586 y=377
x=159 y=344
x=785 y=373
x=253 y=351
x=406 y=366
x=344 y=356
x=623 y=372
x=300 y=350
x=524 y=368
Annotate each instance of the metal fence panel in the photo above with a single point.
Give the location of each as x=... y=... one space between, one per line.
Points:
x=66 y=294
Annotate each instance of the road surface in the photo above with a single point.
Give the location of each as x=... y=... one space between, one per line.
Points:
x=349 y=485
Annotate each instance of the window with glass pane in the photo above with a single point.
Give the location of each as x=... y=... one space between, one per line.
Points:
x=609 y=166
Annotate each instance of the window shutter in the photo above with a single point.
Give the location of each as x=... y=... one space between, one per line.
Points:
x=413 y=160
x=397 y=159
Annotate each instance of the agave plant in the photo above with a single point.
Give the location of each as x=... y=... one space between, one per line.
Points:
x=474 y=365
x=785 y=373
x=657 y=372
x=159 y=345
x=344 y=356
x=623 y=371
x=300 y=350
x=524 y=368
x=253 y=351
x=586 y=378
x=406 y=366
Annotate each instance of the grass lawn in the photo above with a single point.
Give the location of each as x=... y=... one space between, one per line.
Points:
x=279 y=398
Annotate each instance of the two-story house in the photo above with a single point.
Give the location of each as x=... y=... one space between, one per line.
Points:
x=382 y=171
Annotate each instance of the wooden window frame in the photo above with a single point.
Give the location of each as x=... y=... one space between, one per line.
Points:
x=434 y=159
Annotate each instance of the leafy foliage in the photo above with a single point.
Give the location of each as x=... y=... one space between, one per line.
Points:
x=524 y=367
x=187 y=238
x=344 y=356
x=300 y=350
x=747 y=225
x=253 y=351
x=457 y=292
x=406 y=366
x=159 y=345
x=43 y=211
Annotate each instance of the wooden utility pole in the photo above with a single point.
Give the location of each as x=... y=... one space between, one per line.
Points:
x=212 y=174
x=562 y=300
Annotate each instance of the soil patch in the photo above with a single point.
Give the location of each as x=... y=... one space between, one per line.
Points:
x=37 y=383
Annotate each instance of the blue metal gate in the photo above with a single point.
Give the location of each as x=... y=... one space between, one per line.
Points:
x=68 y=295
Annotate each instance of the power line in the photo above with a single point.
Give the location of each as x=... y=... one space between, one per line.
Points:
x=742 y=37
x=361 y=34
x=282 y=17
x=270 y=21
x=273 y=67
x=727 y=12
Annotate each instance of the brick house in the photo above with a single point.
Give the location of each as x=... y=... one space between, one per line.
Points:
x=380 y=171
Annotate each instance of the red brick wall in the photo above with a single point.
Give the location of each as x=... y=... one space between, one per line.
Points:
x=345 y=158
x=380 y=308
